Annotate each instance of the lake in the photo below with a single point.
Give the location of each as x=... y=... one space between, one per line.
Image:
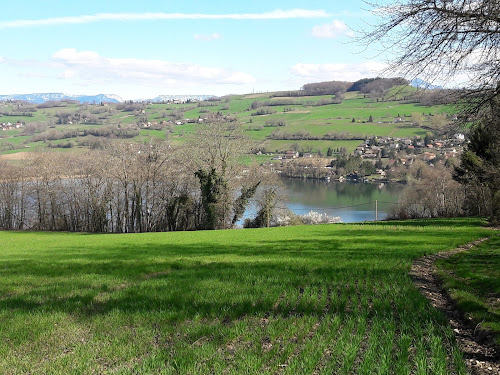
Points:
x=352 y=201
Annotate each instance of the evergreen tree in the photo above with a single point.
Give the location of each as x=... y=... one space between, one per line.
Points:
x=480 y=163
x=213 y=186
x=427 y=140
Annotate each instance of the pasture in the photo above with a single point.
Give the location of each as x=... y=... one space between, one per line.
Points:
x=308 y=299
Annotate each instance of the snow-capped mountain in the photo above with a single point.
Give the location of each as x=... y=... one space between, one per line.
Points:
x=167 y=98
x=39 y=98
x=421 y=84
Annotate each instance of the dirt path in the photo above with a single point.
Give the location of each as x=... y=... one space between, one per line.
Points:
x=480 y=353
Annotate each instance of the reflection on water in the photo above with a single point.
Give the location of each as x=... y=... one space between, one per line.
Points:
x=353 y=202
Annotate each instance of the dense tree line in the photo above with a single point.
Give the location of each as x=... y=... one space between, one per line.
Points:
x=130 y=106
x=319 y=88
x=17 y=113
x=437 y=97
x=133 y=187
x=325 y=88
x=51 y=104
x=104 y=131
x=337 y=99
x=381 y=85
x=431 y=192
x=306 y=135
x=263 y=111
x=375 y=86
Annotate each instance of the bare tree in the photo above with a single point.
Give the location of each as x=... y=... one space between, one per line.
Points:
x=12 y=196
x=215 y=149
x=433 y=194
x=442 y=39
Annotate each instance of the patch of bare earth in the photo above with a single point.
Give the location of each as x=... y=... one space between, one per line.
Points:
x=16 y=156
x=480 y=352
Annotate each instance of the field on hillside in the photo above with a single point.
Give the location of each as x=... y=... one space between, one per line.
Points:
x=292 y=300
x=310 y=123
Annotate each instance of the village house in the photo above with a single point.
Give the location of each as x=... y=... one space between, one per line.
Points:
x=370 y=154
x=291 y=155
x=10 y=126
x=427 y=156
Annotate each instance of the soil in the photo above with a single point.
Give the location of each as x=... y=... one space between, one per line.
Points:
x=481 y=354
x=22 y=155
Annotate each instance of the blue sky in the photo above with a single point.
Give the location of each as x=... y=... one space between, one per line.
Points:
x=143 y=49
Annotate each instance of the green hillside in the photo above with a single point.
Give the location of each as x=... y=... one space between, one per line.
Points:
x=309 y=299
x=275 y=123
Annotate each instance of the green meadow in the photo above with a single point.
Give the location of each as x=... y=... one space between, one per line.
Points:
x=292 y=300
x=473 y=279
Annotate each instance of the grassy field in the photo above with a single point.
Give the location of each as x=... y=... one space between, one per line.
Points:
x=294 y=300
x=473 y=279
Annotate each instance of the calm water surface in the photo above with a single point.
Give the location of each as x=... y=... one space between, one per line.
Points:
x=352 y=201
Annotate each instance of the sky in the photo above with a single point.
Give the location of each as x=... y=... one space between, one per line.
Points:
x=142 y=49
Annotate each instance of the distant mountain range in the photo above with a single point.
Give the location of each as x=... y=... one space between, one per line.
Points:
x=167 y=98
x=421 y=84
x=105 y=98
x=55 y=96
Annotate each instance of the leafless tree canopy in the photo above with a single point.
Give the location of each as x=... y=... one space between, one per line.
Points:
x=442 y=39
x=134 y=187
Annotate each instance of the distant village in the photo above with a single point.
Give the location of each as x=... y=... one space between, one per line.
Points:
x=384 y=153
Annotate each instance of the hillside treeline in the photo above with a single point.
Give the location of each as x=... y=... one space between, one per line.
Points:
x=132 y=187
x=338 y=88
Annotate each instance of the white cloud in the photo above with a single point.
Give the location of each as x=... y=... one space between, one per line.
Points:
x=332 y=30
x=337 y=72
x=207 y=37
x=89 y=65
x=2 y=59
x=68 y=74
x=275 y=14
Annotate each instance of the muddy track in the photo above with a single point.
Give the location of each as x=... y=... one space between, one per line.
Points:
x=479 y=350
